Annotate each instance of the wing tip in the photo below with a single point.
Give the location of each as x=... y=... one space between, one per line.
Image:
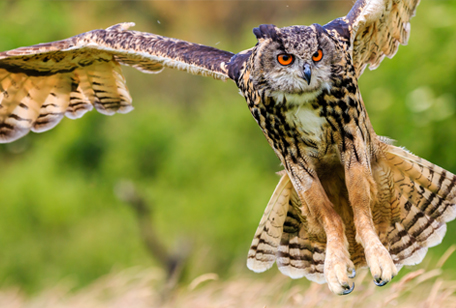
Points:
x=258 y=266
x=366 y=13
x=8 y=134
x=123 y=26
x=298 y=273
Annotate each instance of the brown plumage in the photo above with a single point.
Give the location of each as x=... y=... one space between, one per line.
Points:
x=347 y=198
x=42 y=83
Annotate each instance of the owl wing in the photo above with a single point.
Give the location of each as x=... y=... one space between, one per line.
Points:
x=285 y=236
x=376 y=28
x=422 y=200
x=42 y=83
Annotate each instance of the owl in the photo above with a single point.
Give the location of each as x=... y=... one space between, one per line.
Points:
x=346 y=199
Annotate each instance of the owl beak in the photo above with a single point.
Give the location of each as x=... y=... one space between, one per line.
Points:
x=307 y=73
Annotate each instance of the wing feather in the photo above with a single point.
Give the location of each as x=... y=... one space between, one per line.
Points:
x=41 y=84
x=422 y=201
x=283 y=236
x=263 y=251
x=377 y=28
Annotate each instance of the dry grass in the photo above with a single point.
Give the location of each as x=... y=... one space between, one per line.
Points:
x=144 y=288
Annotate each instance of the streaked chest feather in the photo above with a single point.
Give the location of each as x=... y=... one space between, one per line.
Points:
x=304 y=115
x=307 y=121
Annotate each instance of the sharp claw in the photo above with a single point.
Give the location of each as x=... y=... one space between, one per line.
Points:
x=379 y=282
x=353 y=274
x=348 y=290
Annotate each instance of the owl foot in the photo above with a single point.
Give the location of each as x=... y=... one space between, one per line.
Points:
x=339 y=269
x=380 y=264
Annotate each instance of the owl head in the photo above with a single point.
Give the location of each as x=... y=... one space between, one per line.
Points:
x=293 y=60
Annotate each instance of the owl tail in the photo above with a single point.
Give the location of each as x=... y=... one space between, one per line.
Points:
x=415 y=199
x=283 y=237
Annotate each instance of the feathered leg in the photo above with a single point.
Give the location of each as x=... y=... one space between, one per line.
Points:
x=397 y=208
x=360 y=185
x=338 y=267
x=303 y=233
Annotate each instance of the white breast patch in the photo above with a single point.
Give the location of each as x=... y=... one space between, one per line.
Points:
x=307 y=120
x=310 y=121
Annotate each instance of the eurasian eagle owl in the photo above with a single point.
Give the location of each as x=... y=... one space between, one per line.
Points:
x=347 y=197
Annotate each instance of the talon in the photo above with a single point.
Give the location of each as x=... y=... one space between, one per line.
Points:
x=379 y=282
x=348 y=291
x=353 y=274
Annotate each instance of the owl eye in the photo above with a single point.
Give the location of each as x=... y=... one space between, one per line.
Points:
x=285 y=59
x=318 y=55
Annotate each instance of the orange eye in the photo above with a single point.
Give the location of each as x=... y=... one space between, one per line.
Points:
x=317 y=56
x=285 y=59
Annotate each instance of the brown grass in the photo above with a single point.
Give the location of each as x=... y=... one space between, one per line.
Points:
x=146 y=288
x=141 y=288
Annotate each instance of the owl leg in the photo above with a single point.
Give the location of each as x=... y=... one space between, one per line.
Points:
x=361 y=190
x=338 y=268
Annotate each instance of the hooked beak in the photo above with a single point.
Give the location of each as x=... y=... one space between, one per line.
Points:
x=307 y=73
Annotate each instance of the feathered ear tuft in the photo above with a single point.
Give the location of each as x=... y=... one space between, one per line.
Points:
x=265 y=31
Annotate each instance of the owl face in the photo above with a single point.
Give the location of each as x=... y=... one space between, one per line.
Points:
x=293 y=60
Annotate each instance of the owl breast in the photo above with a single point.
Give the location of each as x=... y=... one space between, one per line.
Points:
x=308 y=122
x=303 y=113
x=294 y=126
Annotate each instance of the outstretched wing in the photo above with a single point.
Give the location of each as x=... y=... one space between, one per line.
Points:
x=42 y=83
x=376 y=28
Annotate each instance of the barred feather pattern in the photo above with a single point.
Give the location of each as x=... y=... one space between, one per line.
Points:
x=377 y=29
x=264 y=248
x=41 y=84
x=283 y=237
x=415 y=199
x=301 y=253
x=422 y=201
x=38 y=103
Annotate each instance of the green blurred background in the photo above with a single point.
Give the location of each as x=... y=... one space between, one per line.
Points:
x=190 y=146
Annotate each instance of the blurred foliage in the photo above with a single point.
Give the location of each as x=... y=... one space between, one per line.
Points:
x=190 y=146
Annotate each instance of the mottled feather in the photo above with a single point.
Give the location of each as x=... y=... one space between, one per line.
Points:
x=42 y=83
x=377 y=28
x=283 y=237
x=415 y=199
x=264 y=248
x=301 y=252
x=423 y=201
x=347 y=198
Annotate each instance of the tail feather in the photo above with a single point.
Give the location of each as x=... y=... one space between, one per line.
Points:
x=300 y=252
x=425 y=195
x=283 y=237
x=439 y=183
x=404 y=248
x=263 y=251
x=414 y=200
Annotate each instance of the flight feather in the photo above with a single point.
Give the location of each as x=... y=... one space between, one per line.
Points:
x=41 y=84
x=377 y=28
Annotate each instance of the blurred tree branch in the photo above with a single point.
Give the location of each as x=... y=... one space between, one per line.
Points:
x=172 y=262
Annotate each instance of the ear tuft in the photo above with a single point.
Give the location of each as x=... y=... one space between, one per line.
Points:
x=265 y=31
